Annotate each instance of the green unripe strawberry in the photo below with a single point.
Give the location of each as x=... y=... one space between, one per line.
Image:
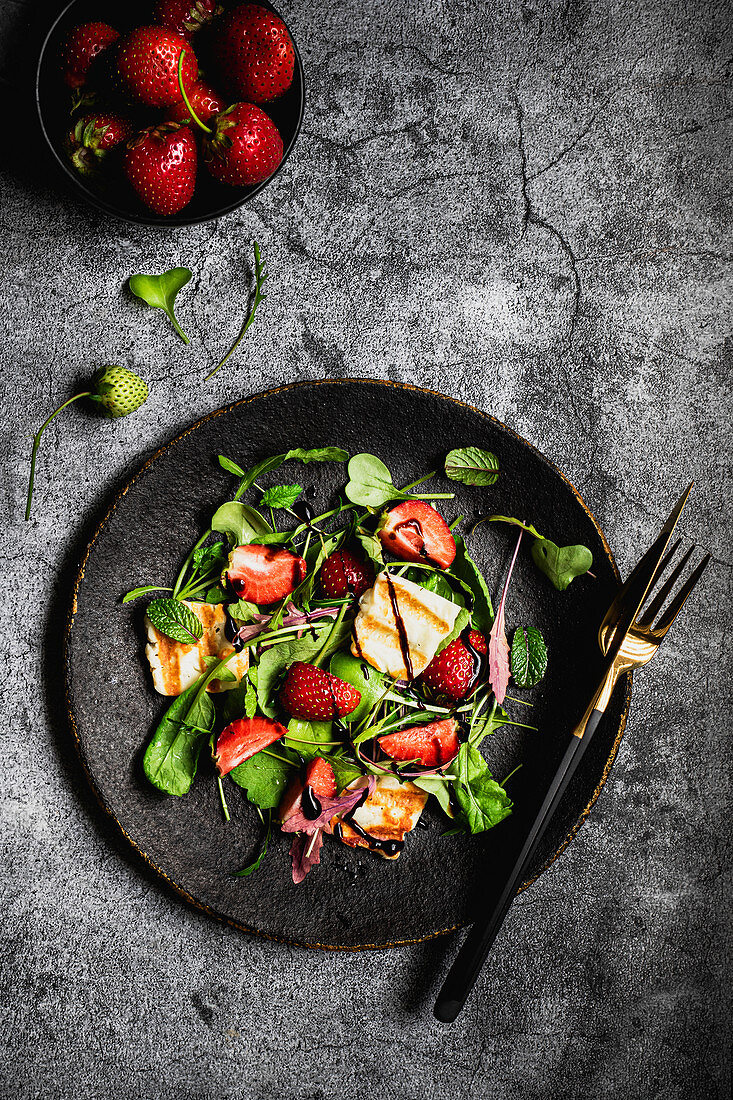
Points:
x=120 y=391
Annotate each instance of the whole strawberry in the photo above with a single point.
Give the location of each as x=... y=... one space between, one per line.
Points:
x=92 y=138
x=185 y=17
x=245 y=148
x=160 y=163
x=310 y=692
x=343 y=574
x=205 y=102
x=255 y=53
x=85 y=43
x=147 y=63
x=454 y=671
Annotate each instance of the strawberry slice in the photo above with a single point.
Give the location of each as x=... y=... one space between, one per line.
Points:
x=455 y=670
x=343 y=574
x=264 y=574
x=432 y=745
x=310 y=692
x=242 y=739
x=320 y=778
x=413 y=531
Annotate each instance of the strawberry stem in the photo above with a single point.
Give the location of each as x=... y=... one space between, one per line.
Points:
x=37 y=443
x=190 y=109
x=324 y=648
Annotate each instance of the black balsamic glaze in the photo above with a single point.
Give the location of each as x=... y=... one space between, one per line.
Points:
x=365 y=670
x=375 y=844
x=231 y=629
x=476 y=657
x=311 y=805
x=402 y=632
x=304 y=511
x=355 y=640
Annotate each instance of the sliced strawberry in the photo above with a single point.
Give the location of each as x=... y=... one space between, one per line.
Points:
x=264 y=574
x=310 y=692
x=242 y=739
x=204 y=100
x=320 y=778
x=454 y=671
x=432 y=745
x=343 y=574
x=413 y=531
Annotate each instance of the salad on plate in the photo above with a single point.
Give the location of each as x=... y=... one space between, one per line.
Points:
x=342 y=668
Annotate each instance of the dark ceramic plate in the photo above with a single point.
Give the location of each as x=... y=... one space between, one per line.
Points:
x=351 y=899
x=212 y=198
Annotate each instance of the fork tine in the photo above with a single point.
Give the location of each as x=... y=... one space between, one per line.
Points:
x=681 y=598
x=660 y=599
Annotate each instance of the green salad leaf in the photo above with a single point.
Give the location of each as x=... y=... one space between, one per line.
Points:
x=561 y=564
x=243 y=611
x=462 y=620
x=264 y=777
x=371 y=546
x=437 y=786
x=266 y=465
x=370 y=484
x=160 y=292
x=465 y=568
x=516 y=523
x=257 y=862
x=281 y=496
x=472 y=466
x=370 y=684
x=483 y=801
x=529 y=656
x=305 y=735
x=239 y=522
x=171 y=758
x=275 y=660
x=174 y=619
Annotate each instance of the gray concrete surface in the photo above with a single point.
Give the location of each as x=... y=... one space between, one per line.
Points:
x=527 y=206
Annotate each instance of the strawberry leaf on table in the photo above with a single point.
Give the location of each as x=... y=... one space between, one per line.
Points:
x=171 y=758
x=529 y=656
x=483 y=801
x=174 y=619
x=239 y=522
x=160 y=292
x=472 y=466
x=264 y=777
x=281 y=496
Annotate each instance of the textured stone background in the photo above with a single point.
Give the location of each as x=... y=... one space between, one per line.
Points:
x=526 y=205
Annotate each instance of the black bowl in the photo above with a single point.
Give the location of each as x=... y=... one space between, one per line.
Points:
x=114 y=196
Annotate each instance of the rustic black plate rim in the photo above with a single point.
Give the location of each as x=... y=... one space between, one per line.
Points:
x=79 y=577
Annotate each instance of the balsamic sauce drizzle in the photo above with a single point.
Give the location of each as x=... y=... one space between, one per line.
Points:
x=402 y=632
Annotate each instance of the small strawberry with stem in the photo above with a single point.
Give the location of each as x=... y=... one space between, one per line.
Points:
x=117 y=390
x=185 y=17
x=93 y=137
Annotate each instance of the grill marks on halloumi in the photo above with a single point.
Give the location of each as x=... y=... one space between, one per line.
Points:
x=390 y=812
x=426 y=617
x=176 y=666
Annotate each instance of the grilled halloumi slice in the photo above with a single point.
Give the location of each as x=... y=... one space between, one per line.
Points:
x=390 y=812
x=176 y=666
x=426 y=617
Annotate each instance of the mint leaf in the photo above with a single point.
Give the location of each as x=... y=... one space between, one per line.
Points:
x=529 y=656
x=472 y=466
x=174 y=619
x=281 y=496
x=484 y=802
x=160 y=292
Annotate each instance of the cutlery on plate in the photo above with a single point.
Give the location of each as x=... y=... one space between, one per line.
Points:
x=629 y=636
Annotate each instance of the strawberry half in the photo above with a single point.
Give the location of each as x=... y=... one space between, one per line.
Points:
x=310 y=692
x=264 y=574
x=204 y=100
x=92 y=138
x=245 y=147
x=432 y=745
x=160 y=163
x=320 y=778
x=85 y=43
x=255 y=53
x=242 y=739
x=147 y=62
x=185 y=17
x=454 y=671
x=413 y=531
x=343 y=574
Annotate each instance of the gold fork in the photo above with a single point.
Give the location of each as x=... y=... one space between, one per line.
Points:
x=629 y=636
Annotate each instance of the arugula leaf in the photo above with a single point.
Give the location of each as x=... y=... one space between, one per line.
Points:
x=257 y=863
x=171 y=758
x=437 y=583
x=212 y=558
x=371 y=546
x=238 y=702
x=437 y=786
x=160 y=292
x=472 y=466
x=371 y=685
x=239 y=522
x=462 y=620
x=370 y=484
x=466 y=570
x=529 y=656
x=266 y=465
x=260 y=276
x=516 y=523
x=344 y=771
x=276 y=538
x=308 y=730
x=561 y=564
x=484 y=802
x=174 y=619
x=281 y=496
x=264 y=777
x=230 y=466
x=143 y=591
